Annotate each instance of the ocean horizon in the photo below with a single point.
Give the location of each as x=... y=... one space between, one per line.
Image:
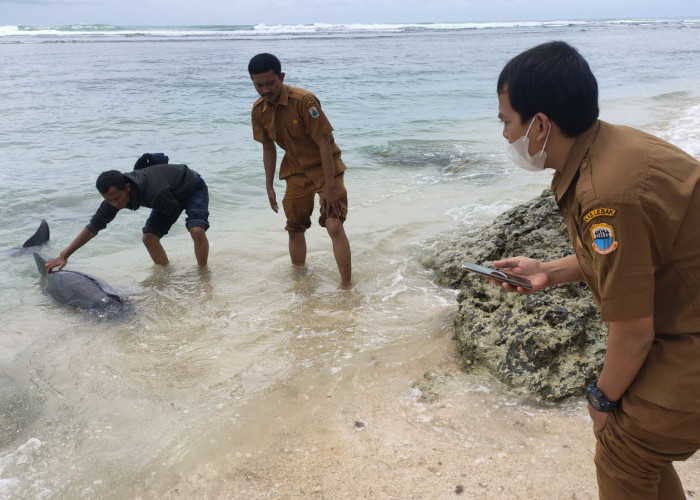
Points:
x=262 y=29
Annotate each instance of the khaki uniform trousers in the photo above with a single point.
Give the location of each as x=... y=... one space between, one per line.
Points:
x=635 y=451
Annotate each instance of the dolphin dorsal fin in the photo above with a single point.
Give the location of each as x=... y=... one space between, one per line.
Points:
x=40 y=263
x=40 y=237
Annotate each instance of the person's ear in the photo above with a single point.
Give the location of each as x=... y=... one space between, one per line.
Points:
x=543 y=127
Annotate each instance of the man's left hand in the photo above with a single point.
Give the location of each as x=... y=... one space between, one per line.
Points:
x=600 y=419
x=330 y=203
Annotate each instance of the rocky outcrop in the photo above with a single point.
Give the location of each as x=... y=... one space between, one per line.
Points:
x=550 y=343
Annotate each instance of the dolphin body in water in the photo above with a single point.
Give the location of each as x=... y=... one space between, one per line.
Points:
x=81 y=291
x=39 y=238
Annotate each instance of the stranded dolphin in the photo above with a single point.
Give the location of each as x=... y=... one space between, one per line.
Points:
x=81 y=291
x=40 y=237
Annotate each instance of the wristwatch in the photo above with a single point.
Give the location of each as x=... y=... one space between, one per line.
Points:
x=598 y=401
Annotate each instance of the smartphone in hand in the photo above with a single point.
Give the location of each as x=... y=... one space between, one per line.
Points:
x=510 y=278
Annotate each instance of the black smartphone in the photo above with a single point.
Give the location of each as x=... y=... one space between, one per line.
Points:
x=510 y=278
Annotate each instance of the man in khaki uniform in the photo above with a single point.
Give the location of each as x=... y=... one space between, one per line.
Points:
x=631 y=203
x=292 y=118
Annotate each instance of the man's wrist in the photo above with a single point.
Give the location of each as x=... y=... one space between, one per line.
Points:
x=599 y=402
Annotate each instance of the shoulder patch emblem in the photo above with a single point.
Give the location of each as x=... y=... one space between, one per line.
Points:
x=314 y=112
x=598 y=212
x=603 y=239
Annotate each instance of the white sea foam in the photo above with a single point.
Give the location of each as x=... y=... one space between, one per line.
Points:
x=101 y=30
x=17 y=464
x=682 y=130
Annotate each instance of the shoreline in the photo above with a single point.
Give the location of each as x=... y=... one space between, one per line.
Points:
x=415 y=419
x=470 y=438
x=383 y=429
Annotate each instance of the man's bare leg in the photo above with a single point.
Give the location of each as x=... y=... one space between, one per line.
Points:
x=201 y=245
x=297 y=248
x=155 y=249
x=341 y=250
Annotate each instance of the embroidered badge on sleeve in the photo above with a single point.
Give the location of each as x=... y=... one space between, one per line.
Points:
x=314 y=112
x=603 y=239
x=598 y=212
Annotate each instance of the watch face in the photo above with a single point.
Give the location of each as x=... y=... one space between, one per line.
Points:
x=593 y=400
x=598 y=400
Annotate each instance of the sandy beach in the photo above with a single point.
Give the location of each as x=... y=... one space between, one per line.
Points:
x=416 y=428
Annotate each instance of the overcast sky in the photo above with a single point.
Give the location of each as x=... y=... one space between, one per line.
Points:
x=189 y=12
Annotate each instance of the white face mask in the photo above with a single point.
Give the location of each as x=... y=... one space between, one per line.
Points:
x=519 y=152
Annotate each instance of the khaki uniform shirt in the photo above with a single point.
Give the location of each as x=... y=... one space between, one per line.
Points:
x=631 y=203
x=295 y=124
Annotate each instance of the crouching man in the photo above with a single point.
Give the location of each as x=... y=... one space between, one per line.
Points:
x=167 y=190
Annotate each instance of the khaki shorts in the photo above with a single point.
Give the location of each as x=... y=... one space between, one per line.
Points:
x=299 y=200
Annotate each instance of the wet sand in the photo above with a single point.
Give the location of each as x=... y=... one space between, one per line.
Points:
x=403 y=422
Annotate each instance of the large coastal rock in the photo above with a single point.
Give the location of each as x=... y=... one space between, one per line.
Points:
x=551 y=343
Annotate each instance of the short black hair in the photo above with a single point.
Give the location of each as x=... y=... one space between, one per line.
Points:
x=111 y=178
x=554 y=79
x=262 y=63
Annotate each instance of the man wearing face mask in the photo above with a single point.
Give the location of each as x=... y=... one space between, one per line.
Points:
x=631 y=203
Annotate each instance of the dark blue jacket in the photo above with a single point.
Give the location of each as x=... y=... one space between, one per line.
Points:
x=161 y=187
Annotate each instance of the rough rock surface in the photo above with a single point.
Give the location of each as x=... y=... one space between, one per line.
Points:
x=550 y=343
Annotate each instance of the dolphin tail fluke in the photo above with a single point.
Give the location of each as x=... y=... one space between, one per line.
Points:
x=40 y=263
x=40 y=237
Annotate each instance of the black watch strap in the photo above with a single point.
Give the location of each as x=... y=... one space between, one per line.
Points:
x=598 y=401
